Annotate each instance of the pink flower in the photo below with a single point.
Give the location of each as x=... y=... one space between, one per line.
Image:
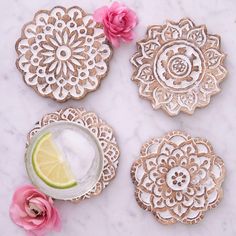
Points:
x=118 y=22
x=34 y=211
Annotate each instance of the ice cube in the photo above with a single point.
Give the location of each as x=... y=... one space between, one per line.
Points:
x=78 y=151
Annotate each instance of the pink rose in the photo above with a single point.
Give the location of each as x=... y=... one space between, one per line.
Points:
x=118 y=22
x=34 y=211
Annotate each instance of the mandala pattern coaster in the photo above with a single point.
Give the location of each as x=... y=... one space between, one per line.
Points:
x=63 y=53
x=178 y=66
x=178 y=178
x=71 y=154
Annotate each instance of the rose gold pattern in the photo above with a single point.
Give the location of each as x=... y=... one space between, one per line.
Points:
x=178 y=66
x=63 y=53
x=178 y=178
x=102 y=132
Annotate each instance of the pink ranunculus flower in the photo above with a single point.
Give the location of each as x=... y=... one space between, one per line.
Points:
x=118 y=22
x=34 y=211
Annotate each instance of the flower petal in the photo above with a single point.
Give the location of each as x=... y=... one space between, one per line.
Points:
x=145 y=74
x=166 y=147
x=170 y=32
x=154 y=32
x=188 y=100
x=185 y=26
x=198 y=35
x=213 y=41
x=149 y=48
x=100 y=14
x=213 y=58
x=209 y=85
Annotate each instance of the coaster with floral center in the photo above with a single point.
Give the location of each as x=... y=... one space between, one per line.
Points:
x=71 y=154
x=178 y=178
x=63 y=53
x=178 y=66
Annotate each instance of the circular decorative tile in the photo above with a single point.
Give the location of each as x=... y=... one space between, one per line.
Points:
x=79 y=136
x=178 y=66
x=63 y=53
x=178 y=178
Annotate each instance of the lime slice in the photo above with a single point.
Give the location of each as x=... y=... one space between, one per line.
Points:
x=50 y=166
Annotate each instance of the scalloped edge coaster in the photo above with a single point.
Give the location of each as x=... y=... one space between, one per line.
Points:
x=178 y=66
x=103 y=134
x=63 y=53
x=178 y=178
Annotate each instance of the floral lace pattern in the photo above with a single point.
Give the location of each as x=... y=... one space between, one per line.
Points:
x=63 y=53
x=178 y=66
x=178 y=178
x=102 y=132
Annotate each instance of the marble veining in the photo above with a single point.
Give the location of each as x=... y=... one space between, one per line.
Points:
x=115 y=212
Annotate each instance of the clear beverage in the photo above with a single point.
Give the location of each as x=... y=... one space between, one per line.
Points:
x=79 y=148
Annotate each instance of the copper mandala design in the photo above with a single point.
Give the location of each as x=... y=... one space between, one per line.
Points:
x=178 y=178
x=101 y=131
x=178 y=66
x=63 y=53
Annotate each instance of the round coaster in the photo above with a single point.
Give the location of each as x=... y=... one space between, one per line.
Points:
x=63 y=53
x=178 y=178
x=78 y=136
x=178 y=66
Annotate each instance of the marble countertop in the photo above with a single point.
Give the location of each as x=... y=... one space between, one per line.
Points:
x=116 y=212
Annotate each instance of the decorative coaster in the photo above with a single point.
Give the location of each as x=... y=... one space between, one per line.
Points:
x=178 y=178
x=83 y=140
x=178 y=66
x=63 y=53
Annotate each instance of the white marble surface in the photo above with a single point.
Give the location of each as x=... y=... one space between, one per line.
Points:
x=116 y=212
